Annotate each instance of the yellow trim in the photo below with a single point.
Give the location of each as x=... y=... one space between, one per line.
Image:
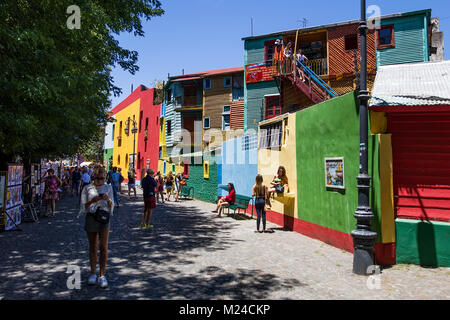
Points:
x=387 y=189
x=378 y=122
x=206 y=170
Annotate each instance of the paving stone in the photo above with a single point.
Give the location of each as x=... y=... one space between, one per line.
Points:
x=189 y=254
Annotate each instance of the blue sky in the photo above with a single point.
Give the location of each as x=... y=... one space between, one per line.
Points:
x=199 y=35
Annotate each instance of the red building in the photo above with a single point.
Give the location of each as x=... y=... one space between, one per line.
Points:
x=148 y=133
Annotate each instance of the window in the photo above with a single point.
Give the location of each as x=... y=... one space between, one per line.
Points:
x=146 y=123
x=140 y=121
x=169 y=95
x=249 y=142
x=269 y=49
x=126 y=160
x=157 y=120
x=113 y=128
x=226 y=118
x=169 y=127
x=351 y=42
x=160 y=152
x=273 y=106
x=385 y=37
x=227 y=82
x=207 y=84
x=270 y=136
x=139 y=161
x=173 y=168
x=118 y=159
x=206 y=123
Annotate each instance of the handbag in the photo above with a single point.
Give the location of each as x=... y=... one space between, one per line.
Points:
x=279 y=188
x=101 y=216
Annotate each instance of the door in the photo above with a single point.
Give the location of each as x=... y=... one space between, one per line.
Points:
x=421 y=165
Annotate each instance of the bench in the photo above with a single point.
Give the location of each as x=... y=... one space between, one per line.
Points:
x=241 y=203
x=186 y=192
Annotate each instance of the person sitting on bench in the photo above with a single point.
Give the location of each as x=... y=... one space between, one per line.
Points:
x=227 y=201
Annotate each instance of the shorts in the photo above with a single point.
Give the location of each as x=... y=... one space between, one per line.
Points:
x=91 y=225
x=131 y=185
x=150 y=203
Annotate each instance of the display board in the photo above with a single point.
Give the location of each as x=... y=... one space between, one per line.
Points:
x=13 y=204
x=334 y=173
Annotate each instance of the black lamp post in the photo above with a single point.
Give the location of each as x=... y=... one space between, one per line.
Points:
x=363 y=236
x=133 y=130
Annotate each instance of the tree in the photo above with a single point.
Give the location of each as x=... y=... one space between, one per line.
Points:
x=55 y=82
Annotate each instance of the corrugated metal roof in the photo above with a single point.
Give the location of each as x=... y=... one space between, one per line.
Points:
x=425 y=83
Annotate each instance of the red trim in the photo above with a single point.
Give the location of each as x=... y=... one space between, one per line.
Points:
x=384 y=252
x=390 y=45
x=425 y=108
x=275 y=107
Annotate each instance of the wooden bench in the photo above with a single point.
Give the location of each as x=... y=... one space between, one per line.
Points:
x=241 y=203
x=186 y=192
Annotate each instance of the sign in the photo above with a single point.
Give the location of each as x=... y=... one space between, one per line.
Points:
x=334 y=173
x=258 y=72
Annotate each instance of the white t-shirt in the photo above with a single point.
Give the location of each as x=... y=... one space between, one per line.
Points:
x=90 y=192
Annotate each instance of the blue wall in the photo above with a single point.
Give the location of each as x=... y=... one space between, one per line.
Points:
x=238 y=166
x=411 y=40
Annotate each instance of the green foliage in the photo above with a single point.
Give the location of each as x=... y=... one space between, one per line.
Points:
x=55 y=83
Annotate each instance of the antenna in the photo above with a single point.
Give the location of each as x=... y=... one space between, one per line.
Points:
x=304 y=22
x=131 y=87
x=251 y=19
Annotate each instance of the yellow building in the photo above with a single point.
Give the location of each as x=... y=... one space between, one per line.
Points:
x=123 y=143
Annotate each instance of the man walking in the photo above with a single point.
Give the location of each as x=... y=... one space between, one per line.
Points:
x=148 y=186
x=76 y=178
x=115 y=179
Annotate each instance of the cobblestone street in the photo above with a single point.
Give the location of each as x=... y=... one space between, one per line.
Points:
x=191 y=255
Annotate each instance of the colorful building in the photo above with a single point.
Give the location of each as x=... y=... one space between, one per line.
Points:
x=410 y=108
x=332 y=51
x=136 y=111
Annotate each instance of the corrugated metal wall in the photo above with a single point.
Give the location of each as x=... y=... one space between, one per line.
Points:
x=410 y=41
x=421 y=164
x=255 y=93
x=237 y=115
x=215 y=98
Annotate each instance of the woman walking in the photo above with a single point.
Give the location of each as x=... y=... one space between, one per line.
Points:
x=52 y=183
x=132 y=183
x=260 y=193
x=159 y=187
x=227 y=201
x=96 y=203
x=169 y=185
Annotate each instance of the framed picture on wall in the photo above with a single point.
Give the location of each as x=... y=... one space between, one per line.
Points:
x=334 y=173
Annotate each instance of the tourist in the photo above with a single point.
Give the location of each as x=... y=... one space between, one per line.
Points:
x=259 y=191
x=160 y=186
x=148 y=185
x=278 y=56
x=76 y=179
x=279 y=184
x=108 y=176
x=132 y=182
x=119 y=170
x=288 y=54
x=178 y=185
x=303 y=59
x=85 y=178
x=115 y=179
x=96 y=203
x=227 y=201
x=52 y=183
x=169 y=185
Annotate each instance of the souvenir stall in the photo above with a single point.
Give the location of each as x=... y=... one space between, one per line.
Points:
x=13 y=197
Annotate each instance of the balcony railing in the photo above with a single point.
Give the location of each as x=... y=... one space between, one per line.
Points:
x=319 y=66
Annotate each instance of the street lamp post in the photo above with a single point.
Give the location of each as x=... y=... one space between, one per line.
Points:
x=134 y=131
x=363 y=236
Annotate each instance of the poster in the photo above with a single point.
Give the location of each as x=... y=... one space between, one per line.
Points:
x=258 y=72
x=12 y=218
x=334 y=173
x=13 y=196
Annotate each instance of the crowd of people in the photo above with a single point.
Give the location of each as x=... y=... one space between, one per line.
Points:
x=283 y=59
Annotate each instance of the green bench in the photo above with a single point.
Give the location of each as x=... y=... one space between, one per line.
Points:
x=186 y=192
x=241 y=203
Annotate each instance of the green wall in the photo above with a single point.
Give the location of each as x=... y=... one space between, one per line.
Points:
x=204 y=189
x=107 y=154
x=331 y=129
x=426 y=243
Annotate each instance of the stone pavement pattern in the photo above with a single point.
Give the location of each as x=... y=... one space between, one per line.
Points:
x=191 y=255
